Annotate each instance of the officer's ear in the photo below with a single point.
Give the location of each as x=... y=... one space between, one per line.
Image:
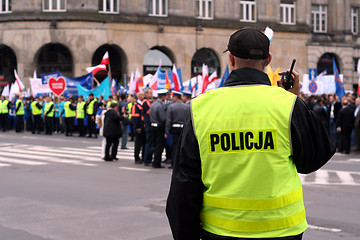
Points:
x=269 y=59
x=232 y=59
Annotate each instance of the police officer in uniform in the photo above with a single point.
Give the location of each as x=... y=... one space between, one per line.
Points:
x=175 y=118
x=158 y=118
x=80 y=115
x=69 y=108
x=236 y=168
x=186 y=96
x=4 y=112
x=20 y=111
x=137 y=119
x=91 y=109
x=36 y=110
x=49 y=116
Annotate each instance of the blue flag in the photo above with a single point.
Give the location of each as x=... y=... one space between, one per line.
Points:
x=102 y=90
x=225 y=76
x=339 y=86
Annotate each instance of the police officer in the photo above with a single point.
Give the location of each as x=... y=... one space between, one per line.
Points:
x=69 y=108
x=137 y=119
x=236 y=168
x=146 y=104
x=49 y=115
x=91 y=109
x=36 y=110
x=4 y=112
x=80 y=115
x=186 y=96
x=175 y=118
x=158 y=118
x=20 y=111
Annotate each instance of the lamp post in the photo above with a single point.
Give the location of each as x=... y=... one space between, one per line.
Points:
x=198 y=30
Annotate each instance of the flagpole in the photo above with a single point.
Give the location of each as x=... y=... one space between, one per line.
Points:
x=97 y=82
x=110 y=77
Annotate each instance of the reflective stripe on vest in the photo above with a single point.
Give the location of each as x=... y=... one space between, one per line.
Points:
x=4 y=106
x=47 y=107
x=35 y=109
x=80 y=113
x=68 y=111
x=109 y=103
x=130 y=104
x=90 y=108
x=21 y=110
x=252 y=189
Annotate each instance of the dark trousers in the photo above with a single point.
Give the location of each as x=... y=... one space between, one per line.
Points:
x=56 y=124
x=345 y=141
x=113 y=143
x=4 y=121
x=19 y=123
x=175 y=139
x=92 y=126
x=81 y=127
x=149 y=148
x=49 y=125
x=159 y=143
x=69 y=126
x=36 y=123
x=140 y=139
x=132 y=132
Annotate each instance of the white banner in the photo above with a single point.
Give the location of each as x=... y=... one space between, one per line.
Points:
x=37 y=87
x=321 y=85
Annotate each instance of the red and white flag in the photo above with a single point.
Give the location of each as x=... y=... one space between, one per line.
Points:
x=176 y=79
x=19 y=82
x=205 y=78
x=139 y=81
x=105 y=59
x=154 y=80
x=96 y=69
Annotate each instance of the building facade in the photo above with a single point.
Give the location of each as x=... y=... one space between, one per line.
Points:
x=70 y=35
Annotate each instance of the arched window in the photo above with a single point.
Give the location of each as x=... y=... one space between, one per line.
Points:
x=325 y=63
x=153 y=57
x=8 y=63
x=117 y=59
x=205 y=56
x=55 y=57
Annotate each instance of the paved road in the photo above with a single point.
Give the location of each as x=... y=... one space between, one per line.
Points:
x=56 y=187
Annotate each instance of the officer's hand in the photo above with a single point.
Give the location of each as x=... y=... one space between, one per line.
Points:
x=166 y=136
x=296 y=82
x=92 y=117
x=138 y=130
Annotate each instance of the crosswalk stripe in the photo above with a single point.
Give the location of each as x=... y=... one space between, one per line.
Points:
x=18 y=161
x=346 y=178
x=27 y=152
x=79 y=149
x=43 y=158
x=4 y=165
x=135 y=169
x=321 y=177
x=82 y=153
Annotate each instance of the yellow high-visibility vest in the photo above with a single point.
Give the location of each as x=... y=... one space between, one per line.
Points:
x=4 y=106
x=68 y=111
x=47 y=107
x=90 y=107
x=80 y=113
x=252 y=188
x=35 y=110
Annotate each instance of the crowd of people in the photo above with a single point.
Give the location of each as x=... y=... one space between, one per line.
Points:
x=153 y=123
x=341 y=117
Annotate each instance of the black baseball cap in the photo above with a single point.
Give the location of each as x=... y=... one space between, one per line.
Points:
x=249 y=43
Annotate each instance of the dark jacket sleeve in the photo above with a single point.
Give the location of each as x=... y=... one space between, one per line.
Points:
x=72 y=106
x=186 y=191
x=311 y=146
x=38 y=105
x=51 y=108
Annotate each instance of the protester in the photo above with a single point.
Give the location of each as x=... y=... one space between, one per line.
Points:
x=112 y=131
x=91 y=109
x=345 y=125
x=49 y=116
x=20 y=111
